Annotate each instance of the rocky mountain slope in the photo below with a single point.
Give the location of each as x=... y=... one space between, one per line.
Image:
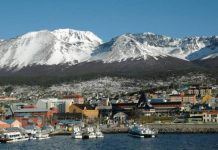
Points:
x=48 y=48
x=68 y=52
x=143 y=45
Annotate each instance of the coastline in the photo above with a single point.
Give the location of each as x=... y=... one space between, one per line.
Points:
x=162 y=129
x=171 y=128
x=185 y=128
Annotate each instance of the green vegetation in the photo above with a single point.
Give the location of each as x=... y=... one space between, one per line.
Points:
x=48 y=80
x=8 y=89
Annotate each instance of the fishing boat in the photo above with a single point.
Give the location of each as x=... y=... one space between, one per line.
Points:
x=142 y=131
x=9 y=137
x=42 y=135
x=98 y=133
x=76 y=134
x=88 y=133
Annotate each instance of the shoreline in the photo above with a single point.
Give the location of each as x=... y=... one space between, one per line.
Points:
x=162 y=129
x=172 y=128
x=185 y=128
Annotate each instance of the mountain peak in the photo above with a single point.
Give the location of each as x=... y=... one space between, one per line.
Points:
x=73 y=46
x=48 y=47
x=76 y=35
x=144 y=45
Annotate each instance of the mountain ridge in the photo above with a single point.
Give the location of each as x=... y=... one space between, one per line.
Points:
x=70 y=52
x=48 y=48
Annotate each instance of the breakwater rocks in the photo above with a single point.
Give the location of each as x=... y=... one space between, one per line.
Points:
x=115 y=130
x=185 y=128
x=172 y=128
x=162 y=128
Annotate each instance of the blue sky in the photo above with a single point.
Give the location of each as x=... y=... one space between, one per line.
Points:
x=107 y=19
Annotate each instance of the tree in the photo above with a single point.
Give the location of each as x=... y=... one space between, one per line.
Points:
x=8 y=90
x=206 y=98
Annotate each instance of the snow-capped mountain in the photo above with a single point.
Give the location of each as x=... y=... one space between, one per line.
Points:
x=71 y=47
x=48 y=48
x=134 y=46
x=146 y=45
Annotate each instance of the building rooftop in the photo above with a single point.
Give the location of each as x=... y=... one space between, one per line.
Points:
x=167 y=103
x=83 y=106
x=29 y=110
x=23 y=114
x=9 y=121
x=182 y=95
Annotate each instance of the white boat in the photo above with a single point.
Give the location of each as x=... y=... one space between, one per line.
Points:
x=31 y=131
x=98 y=133
x=9 y=137
x=92 y=135
x=89 y=133
x=42 y=136
x=77 y=134
x=142 y=132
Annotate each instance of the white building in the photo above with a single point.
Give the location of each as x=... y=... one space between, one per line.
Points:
x=210 y=116
x=61 y=104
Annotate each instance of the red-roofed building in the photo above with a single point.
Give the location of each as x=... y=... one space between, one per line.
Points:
x=4 y=124
x=34 y=116
x=210 y=116
x=10 y=123
x=28 y=106
x=184 y=98
x=7 y=98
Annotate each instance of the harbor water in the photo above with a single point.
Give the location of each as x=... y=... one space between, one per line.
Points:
x=121 y=142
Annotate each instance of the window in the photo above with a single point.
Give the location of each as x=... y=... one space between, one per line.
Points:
x=213 y=116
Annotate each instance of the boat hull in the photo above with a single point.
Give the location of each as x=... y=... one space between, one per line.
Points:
x=145 y=135
x=92 y=136
x=42 y=138
x=77 y=136
x=6 y=140
x=99 y=136
x=142 y=135
x=85 y=137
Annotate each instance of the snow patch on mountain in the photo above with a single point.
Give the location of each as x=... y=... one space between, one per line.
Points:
x=211 y=56
x=132 y=46
x=144 y=45
x=48 y=48
x=204 y=53
x=73 y=47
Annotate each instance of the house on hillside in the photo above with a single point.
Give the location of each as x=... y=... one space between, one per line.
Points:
x=7 y=98
x=184 y=98
x=200 y=91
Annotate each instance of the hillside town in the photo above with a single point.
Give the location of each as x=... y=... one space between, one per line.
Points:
x=108 y=106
